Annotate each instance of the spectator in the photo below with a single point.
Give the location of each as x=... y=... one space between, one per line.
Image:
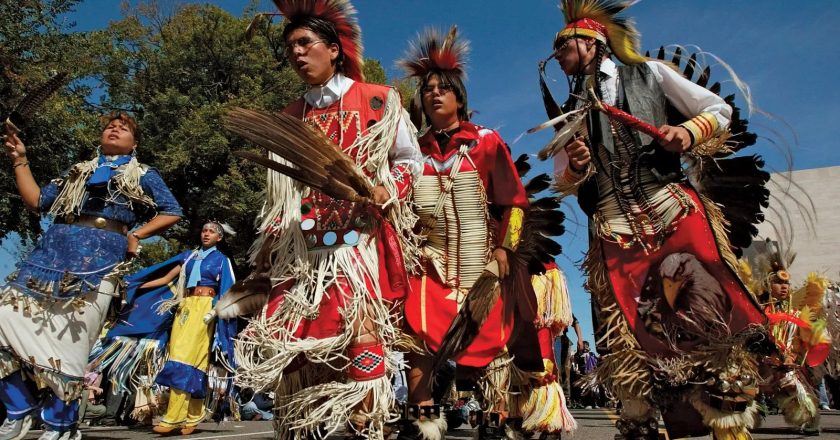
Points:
x=564 y=364
x=585 y=363
x=254 y=407
x=92 y=407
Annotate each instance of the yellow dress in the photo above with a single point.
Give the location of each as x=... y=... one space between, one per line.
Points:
x=189 y=344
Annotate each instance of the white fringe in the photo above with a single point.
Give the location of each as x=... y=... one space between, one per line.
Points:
x=329 y=406
x=74 y=186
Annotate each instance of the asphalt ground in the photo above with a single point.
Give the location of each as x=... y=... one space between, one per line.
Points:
x=593 y=424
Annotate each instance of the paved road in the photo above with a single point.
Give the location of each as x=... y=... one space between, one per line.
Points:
x=594 y=424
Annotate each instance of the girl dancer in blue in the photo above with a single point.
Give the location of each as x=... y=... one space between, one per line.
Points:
x=54 y=305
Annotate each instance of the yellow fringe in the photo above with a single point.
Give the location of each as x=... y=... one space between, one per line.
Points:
x=546 y=410
x=811 y=294
x=554 y=309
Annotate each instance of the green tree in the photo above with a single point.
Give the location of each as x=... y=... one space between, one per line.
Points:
x=178 y=72
x=34 y=44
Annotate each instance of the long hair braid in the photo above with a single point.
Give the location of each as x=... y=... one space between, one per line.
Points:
x=600 y=51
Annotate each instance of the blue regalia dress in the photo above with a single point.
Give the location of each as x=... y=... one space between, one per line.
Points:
x=54 y=305
x=173 y=347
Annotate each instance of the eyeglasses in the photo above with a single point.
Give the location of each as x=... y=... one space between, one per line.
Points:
x=304 y=43
x=442 y=88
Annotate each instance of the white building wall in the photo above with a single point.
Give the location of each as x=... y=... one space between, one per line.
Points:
x=815 y=235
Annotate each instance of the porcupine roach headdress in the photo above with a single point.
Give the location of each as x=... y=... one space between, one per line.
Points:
x=596 y=19
x=767 y=265
x=431 y=53
x=342 y=15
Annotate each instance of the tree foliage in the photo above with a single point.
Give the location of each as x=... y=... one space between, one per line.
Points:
x=178 y=72
x=34 y=44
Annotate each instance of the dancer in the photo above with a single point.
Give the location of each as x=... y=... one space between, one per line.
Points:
x=798 y=326
x=471 y=205
x=164 y=334
x=55 y=303
x=323 y=340
x=671 y=311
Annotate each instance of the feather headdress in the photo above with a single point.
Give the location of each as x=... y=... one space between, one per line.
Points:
x=221 y=227
x=599 y=19
x=342 y=15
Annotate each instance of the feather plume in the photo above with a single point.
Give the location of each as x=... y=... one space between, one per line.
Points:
x=566 y=126
x=342 y=15
x=317 y=162
x=432 y=52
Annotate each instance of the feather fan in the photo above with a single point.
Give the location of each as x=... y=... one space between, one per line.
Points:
x=565 y=126
x=20 y=116
x=316 y=162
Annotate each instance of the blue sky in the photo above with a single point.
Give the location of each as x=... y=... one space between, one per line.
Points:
x=785 y=51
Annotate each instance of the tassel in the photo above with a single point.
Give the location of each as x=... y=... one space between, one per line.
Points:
x=546 y=410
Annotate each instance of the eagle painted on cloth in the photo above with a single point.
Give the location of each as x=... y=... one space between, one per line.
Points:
x=682 y=302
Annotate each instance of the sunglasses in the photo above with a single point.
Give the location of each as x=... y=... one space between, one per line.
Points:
x=304 y=43
x=442 y=88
